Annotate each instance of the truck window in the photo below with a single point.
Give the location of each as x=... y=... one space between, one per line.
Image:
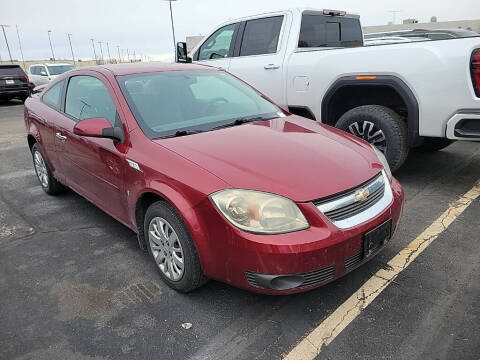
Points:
x=261 y=36
x=218 y=45
x=329 y=31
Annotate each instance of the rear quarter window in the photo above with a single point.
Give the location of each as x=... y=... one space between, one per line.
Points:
x=53 y=96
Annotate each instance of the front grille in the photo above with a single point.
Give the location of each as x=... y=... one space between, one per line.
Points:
x=346 y=205
x=353 y=260
x=318 y=276
x=357 y=207
x=304 y=279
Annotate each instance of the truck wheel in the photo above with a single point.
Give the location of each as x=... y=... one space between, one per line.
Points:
x=172 y=249
x=431 y=144
x=380 y=126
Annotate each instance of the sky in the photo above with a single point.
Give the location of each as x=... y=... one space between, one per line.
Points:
x=144 y=26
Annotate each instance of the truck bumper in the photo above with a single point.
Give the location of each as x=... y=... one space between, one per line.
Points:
x=464 y=125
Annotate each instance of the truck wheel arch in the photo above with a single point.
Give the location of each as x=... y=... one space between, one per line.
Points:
x=397 y=89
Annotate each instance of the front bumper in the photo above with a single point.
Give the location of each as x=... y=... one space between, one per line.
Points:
x=319 y=254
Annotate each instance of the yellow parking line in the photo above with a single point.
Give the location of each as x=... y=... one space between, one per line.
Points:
x=333 y=325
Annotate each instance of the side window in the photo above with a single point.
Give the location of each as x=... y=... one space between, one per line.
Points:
x=53 y=96
x=87 y=97
x=261 y=36
x=218 y=45
x=34 y=70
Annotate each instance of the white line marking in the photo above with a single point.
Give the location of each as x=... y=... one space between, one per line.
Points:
x=333 y=325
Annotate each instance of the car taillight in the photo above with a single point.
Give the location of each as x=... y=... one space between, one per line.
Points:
x=27 y=79
x=475 y=70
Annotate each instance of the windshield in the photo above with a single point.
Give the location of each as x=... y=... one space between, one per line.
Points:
x=59 y=69
x=169 y=103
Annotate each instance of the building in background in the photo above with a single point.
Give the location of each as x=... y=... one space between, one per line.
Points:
x=411 y=24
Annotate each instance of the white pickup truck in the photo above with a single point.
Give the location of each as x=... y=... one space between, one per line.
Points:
x=313 y=62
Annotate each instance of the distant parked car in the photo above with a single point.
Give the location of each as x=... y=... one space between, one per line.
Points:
x=420 y=34
x=41 y=74
x=14 y=83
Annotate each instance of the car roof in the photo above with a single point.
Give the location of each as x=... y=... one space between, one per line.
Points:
x=145 y=67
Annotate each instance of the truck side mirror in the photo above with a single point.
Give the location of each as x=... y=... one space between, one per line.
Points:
x=181 y=55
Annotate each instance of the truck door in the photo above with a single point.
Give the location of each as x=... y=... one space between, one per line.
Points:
x=259 y=58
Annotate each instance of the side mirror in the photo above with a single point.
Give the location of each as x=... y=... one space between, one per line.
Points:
x=98 y=127
x=181 y=55
x=43 y=73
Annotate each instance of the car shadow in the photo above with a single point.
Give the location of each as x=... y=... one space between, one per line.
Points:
x=12 y=102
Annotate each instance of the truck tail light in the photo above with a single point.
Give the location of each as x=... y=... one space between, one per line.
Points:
x=475 y=70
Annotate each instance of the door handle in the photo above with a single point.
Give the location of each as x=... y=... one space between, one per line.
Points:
x=271 y=67
x=60 y=136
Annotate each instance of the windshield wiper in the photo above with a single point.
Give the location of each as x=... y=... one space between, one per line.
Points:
x=179 y=133
x=244 y=120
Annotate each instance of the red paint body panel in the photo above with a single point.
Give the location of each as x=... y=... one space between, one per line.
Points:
x=291 y=156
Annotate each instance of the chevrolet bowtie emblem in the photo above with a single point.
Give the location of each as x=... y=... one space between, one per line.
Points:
x=362 y=195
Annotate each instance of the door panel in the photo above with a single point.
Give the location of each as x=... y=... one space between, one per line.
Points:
x=261 y=56
x=95 y=167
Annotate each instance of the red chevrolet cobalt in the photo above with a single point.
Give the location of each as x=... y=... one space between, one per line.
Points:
x=217 y=181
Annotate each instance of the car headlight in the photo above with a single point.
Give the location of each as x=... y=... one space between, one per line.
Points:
x=384 y=161
x=259 y=212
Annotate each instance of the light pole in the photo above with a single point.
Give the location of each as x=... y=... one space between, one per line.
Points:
x=6 y=41
x=71 y=48
x=128 y=56
x=119 y=57
x=101 y=52
x=20 y=45
x=134 y=57
x=51 y=47
x=394 y=12
x=94 y=52
x=108 y=52
x=173 y=27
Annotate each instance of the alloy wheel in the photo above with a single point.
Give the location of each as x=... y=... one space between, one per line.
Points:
x=367 y=131
x=166 y=248
x=40 y=168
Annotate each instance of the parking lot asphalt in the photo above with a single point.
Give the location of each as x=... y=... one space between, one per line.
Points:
x=75 y=285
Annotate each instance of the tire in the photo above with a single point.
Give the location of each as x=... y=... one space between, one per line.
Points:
x=431 y=144
x=392 y=140
x=177 y=245
x=49 y=184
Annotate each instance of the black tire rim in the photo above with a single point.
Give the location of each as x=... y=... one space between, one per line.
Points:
x=367 y=131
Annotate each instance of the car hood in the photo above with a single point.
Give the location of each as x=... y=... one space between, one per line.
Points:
x=292 y=156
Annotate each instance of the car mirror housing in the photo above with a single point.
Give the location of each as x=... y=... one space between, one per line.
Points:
x=182 y=54
x=43 y=73
x=98 y=127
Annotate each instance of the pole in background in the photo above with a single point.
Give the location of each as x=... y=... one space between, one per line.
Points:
x=128 y=56
x=51 y=47
x=394 y=13
x=20 y=45
x=6 y=41
x=71 y=48
x=173 y=27
x=134 y=57
x=108 y=52
x=119 y=57
x=101 y=52
x=94 y=52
